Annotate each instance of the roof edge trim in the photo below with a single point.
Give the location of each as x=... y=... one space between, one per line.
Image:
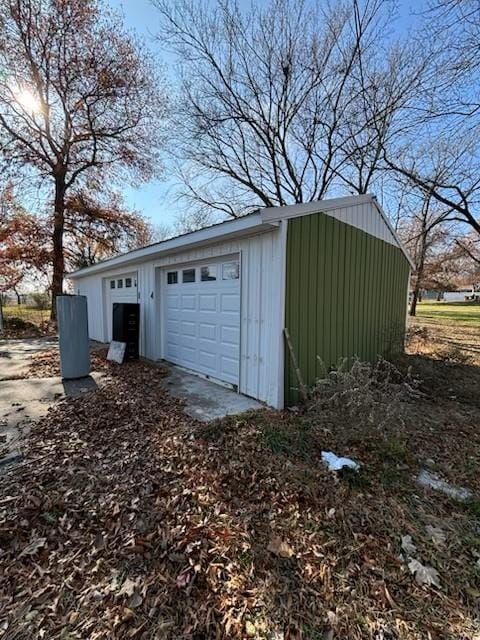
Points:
x=238 y=226
x=315 y=206
x=272 y=214
x=393 y=232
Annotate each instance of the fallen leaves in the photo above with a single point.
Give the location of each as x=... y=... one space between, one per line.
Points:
x=133 y=521
x=424 y=575
x=46 y=364
x=135 y=600
x=184 y=578
x=407 y=545
x=128 y=587
x=32 y=547
x=280 y=548
x=437 y=536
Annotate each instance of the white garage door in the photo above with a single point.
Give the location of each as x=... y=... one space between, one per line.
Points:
x=202 y=317
x=121 y=288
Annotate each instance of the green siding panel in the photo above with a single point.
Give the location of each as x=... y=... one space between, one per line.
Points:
x=346 y=296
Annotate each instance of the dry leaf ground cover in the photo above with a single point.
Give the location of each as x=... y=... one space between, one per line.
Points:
x=17 y=328
x=130 y=520
x=46 y=364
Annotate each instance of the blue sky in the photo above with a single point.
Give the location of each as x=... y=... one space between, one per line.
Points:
x=157 y=199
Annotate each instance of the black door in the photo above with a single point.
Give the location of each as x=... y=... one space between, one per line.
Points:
x=126 y=327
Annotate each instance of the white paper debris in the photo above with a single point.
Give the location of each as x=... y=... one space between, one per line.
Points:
x=433 y=481
x=335 y=463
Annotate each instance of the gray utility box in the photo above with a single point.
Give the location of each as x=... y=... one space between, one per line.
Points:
x=72 y=322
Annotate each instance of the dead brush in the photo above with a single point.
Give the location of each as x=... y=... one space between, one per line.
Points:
x=366 y=394
x=453 y=354
x=417 y=339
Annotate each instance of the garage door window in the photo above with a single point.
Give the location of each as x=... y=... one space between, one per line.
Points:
x=208 y=274
x=112 y=284
x=230 y=271
x=172 y=277
x=120 y=284
x=128 y=282
x=188 y=275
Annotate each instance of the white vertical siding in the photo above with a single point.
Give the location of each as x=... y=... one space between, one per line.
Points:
x=362 y=212
x=261 y=370
x=262 y=307
x=92 y=288
x=364 y=216
x=146 y=297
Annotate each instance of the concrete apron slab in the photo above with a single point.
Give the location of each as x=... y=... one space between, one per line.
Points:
x=14 y=354
x=24 y=401
x=206 y=400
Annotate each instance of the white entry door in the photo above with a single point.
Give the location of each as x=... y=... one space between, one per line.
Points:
x=121 y=288
x=201 y=305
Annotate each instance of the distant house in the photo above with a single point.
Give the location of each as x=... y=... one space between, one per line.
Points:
x=426 y=294
x=11 y=298
x=461 y=295
x=431 y=294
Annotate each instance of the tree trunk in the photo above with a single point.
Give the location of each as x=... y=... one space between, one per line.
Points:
x=417 y=295
x=58 y=229
x=413 y=304
x=1 y=314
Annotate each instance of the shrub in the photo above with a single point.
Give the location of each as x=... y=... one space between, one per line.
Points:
x=454 y=354
x=364 y=394
x=19 y=324
x=393 y=338
x=40 y=300
x=417 y=338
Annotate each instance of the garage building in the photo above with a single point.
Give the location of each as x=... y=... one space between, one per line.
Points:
x=216 y=301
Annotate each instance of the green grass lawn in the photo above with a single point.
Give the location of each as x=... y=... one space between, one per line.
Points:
x=450 y=312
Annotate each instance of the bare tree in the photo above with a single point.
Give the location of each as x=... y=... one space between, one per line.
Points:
x=446 y=170
x=424 y=234
x=283 y=103
x=469 y=248
x=79 y=102
x=456 y=25
x=445 y=123
x=194 y=219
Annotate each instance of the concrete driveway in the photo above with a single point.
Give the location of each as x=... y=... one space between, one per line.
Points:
x=14 y=354
x=25 y=400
